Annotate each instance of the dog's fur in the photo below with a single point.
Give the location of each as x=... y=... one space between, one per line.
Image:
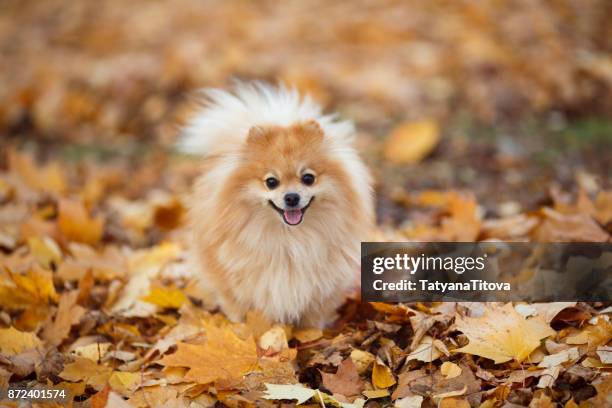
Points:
x=248 y=255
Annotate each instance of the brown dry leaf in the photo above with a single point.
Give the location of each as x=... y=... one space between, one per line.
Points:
x=382 y=377
x=13 y=341
x=345 y=381
x=223 y=356
x=502 y=334
x=557 y=227
x=541 y=401
x=76 y=224
x=451 y=402
x=411 y=142
x=84 y=369
x=425 y=351
x=593 y=335
x=604 y=392
x=68 y=314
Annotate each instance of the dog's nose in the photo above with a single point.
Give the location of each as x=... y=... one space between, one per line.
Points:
x=292 y=199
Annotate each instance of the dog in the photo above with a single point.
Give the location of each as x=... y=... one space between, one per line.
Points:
x=282 y=203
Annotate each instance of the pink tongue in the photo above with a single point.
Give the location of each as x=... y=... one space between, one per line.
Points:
x=293 y=217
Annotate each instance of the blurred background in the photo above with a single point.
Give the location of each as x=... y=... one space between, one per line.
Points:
x=510 y=100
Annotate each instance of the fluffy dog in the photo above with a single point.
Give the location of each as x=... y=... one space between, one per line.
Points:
x=280 y=207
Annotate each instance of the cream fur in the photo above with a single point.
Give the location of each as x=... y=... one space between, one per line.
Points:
x=254 y=261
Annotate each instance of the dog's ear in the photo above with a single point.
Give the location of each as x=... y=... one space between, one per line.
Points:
x=311 y=130
x=312 y=126
x=256 y=133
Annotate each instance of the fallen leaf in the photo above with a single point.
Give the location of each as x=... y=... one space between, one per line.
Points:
x=45 y=250
x=345 y=381
x=124 y=382
x=410 y=142
x=362 y=359
x=68 y=314
x=414 y=401
x=222 y=356
x=425 y=351
x=593 y=335
x=76 y=224
x=307 y=335
x=274 y=340
x=605 y=354
x=502 y=334
x=559 y=358
x=548 y=377
x=166 y=298
x=450 y=370
x=288 y=392
x=13 y=341
x=382 y=377
x=86 y=370
x=455 y=393
x=22 y=291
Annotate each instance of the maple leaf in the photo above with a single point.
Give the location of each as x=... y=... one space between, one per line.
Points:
x=223 y=356
x=88 y=371
x=345 y=381
x=76 y=224
x=34 y=288
x=13 y=341
x=68 y=314
x=502 y=334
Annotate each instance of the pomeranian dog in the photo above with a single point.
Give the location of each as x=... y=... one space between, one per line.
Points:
x=281 y=205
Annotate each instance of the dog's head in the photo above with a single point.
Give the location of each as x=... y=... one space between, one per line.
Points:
x=291 y=172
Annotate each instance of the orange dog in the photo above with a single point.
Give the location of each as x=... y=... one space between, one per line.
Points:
x=281 y=206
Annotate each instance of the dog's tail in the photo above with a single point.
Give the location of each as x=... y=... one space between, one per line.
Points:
x=223 y=121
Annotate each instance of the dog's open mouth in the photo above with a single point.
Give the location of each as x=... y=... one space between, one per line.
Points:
x=292 y=217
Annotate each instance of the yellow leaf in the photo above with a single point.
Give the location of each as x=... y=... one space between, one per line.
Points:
x=450 y=370
x=93 y=351
x=223 y=356
x=76 y=224
x=502 y=334
x=45 y=251
x=382 y=376
x=410 y=142
x=307 y=335
x=34 y=288
x=84 y=369
x=13 y=341
x=124 y=382
x=593 y=335
x=166 y=298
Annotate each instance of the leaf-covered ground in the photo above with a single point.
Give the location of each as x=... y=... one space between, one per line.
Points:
x=484 y=120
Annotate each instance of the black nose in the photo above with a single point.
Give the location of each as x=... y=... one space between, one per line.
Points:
x=292 y=199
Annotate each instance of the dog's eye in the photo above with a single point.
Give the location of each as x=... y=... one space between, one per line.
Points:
x=308 y=179
x=272 y=183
